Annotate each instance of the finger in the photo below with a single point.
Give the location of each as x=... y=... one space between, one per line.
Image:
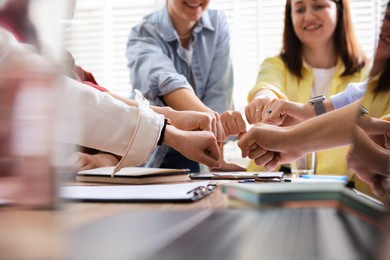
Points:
x=253 y=146
x=250 y=113
x=265 y=158
x=377 y=187
x=211 y=156
x=271 y=165
x=245 y=148
x=258 y=114
x=231 y=127
x=257 y=153
x=241 y=135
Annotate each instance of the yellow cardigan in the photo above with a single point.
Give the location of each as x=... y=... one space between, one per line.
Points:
x=275 y=76
x=378 y=106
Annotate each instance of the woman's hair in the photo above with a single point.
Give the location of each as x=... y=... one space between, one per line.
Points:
x=345 y=42
x=384 y=79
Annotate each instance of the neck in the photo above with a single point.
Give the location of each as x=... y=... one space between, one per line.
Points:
x=322 y=57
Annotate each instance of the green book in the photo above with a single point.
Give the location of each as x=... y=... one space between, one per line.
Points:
x=304 y=194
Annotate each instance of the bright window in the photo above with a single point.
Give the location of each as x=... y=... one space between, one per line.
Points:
x=99 y=33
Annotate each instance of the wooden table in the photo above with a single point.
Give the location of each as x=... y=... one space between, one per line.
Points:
x=42 y=234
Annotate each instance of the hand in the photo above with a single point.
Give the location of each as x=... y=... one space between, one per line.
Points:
x=225 y=166
x=256 y=109
x=378 y=130
x=286 y=113
x=270 y=145
x=84 y=161
x=199 y=146
x=203 y=121
x=369 y=161
x=233 y=123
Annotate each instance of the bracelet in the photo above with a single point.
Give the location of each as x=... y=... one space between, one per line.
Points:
x=161 y=139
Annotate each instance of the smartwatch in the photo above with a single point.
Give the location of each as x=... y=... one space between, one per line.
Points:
x=318 y=103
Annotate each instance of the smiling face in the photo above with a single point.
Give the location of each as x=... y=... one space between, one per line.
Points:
x=186 y=11
x=314 y=21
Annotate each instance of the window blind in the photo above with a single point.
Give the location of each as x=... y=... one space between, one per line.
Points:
x=98 y=36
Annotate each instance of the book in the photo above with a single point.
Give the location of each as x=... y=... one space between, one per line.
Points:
x=318 y=194
x=133 y=175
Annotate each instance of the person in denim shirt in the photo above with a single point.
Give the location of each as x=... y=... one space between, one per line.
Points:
x=179 y=56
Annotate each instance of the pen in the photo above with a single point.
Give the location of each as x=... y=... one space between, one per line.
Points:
x=325 y=177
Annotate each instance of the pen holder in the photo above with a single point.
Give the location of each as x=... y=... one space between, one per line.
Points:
x=303 y=166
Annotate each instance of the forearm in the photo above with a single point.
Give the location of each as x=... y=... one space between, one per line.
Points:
x=183 y=99
x=265 y=93
x=326 y=131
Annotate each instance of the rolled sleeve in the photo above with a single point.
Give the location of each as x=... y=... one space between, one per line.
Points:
x=94 y=119
x=271 y=76
x=144 y=139
x=151 y=68
x=352 y=93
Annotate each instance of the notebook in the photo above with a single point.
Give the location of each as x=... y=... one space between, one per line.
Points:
x=133 y=175
x=303 y=194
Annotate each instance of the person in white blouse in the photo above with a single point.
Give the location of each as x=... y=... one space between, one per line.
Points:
x=95 y=119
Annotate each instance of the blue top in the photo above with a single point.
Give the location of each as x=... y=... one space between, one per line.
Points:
x=352 y=93
x=159 y=64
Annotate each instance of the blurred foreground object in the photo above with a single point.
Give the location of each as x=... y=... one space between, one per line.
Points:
x=26 y=121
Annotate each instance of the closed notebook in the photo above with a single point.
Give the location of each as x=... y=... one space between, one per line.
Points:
x=302 y=194
x=133 y=175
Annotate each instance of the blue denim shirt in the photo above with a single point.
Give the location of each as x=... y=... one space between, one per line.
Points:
x=158 y=64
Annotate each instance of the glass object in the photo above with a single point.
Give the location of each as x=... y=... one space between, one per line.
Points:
x=303 y=166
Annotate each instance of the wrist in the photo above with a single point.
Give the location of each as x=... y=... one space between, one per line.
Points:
x=308 y=111
x=171 y=136
x=163 y=132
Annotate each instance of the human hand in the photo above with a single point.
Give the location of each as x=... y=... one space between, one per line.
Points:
x=270 y=145
x=369 y=161
x=84 y=161
x=203 y=121
x=199 y=146
x=256 y=108
x=233 y=123
x=225 y=166
x=286 y=113
x=277 y=112
x=378 y=130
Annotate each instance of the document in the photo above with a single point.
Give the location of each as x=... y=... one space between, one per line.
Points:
x=181 y=192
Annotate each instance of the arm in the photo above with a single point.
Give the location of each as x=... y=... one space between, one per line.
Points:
x=197 y=146
x=83 y=111
x=151 y=66
x=369 y=161
x=271 y=145
x=269 y=86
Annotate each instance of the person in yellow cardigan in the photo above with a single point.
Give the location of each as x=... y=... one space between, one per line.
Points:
x=320 y=56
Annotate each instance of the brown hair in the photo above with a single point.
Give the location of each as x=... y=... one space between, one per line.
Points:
x=345 y=42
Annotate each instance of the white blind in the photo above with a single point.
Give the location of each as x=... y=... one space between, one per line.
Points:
x=97 y=39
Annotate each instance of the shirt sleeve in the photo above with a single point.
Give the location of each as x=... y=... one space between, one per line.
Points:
x=151 y=69
x=219 y=88
x=352 y=93
x=94 y=119
x=271 y=76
